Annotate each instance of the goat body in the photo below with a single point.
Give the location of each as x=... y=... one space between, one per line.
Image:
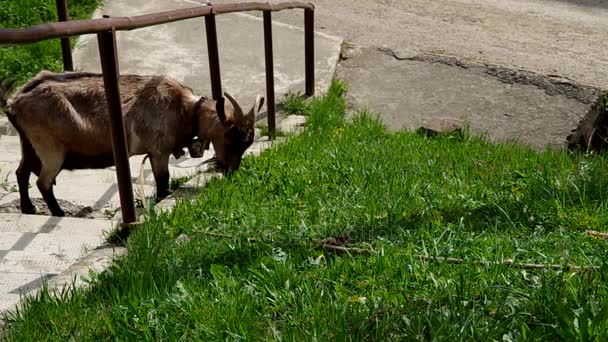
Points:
x=63 y=123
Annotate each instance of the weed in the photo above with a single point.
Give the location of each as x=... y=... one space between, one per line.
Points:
x=293 y=103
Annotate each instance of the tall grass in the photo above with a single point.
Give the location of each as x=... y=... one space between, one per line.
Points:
x=22 y=62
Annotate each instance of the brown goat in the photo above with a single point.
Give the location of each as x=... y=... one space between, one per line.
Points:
x=64 y=124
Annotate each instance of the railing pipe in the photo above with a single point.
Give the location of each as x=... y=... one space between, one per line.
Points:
x=270 y=105
x=214 y=64
x=309 y=50
x=70 y=28
x=109 y=67
x=66 y=49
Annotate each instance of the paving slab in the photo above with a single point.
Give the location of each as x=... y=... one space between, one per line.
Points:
x=8 y=302
x=179 y=49
x=35 y=248
x=292 y=124
x=10 y=149
x=35 y=224
x=96 y=196
x=408 y=89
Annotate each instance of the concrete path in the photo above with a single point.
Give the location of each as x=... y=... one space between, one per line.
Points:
x=563 y=37
x=37 y=248
x=409 y=89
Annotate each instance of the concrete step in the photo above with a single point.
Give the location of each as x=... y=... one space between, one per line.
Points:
x=292 y=124
x=36 y=245
x=98 y=199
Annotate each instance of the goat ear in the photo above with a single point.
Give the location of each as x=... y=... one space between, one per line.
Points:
x=219 y=109
x=259 y=105
x=253 y=113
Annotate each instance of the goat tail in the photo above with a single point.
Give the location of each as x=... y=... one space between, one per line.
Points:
x=6 y=87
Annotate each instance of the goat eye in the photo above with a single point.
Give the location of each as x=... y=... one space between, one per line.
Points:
x=233 y=133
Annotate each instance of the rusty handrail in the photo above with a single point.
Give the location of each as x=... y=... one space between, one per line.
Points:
x=41 y=32
x=66 y=49
x=106 y=34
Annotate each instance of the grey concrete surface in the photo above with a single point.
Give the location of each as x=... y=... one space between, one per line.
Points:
x=180 y=50
x=36 y=248
x=409 y=89
x=565 y=37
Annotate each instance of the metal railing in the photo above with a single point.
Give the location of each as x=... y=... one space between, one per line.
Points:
x=106 y=28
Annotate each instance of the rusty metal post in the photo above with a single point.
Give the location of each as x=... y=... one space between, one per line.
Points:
x=309 y=50
x=109 y=67
x=214 y=64
x=66 y=49
x=269 y=74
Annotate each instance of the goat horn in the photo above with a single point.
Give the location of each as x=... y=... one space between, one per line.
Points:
x=237 y=108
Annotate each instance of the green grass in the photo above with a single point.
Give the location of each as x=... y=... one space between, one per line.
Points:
x=251 y=269
x=22 y=62
x=293 y=103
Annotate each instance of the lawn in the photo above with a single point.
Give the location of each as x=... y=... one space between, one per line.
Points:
x=252 y=269
x=23 y=62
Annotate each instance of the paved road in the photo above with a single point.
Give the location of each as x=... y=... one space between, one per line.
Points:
x=515 y=69
x=549 y=37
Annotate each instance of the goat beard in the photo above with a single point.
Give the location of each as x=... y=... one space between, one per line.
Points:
x=214 y=165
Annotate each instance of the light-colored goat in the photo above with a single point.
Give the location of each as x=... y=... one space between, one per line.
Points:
x=63 y=123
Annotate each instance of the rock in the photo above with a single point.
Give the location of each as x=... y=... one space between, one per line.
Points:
x=592 y=131
x=404 y=53
x=436 y=125
x=183 y=238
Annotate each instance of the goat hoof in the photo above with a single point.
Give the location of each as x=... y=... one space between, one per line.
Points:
x=59 y=213
x=160 y=198
x=28 y=209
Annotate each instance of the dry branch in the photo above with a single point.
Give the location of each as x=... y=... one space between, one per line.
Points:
x=509 y=262
x=341 y=249
x=597 y=234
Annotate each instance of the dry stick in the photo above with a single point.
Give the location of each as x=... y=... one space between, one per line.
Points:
x=342 y=249
x=508 y=262
x=597 y=234
x=218 y=234
x=249 y=239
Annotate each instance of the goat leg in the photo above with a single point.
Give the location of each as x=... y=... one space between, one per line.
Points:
x=51 y=166
x=160 y=168
x=51 y=201
x=23 y=181
x=29 y=163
